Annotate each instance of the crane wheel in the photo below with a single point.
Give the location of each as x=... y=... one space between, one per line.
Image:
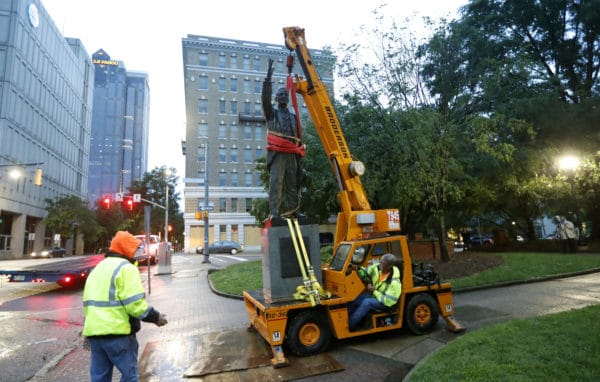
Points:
x=422 y=313
x=308 y=333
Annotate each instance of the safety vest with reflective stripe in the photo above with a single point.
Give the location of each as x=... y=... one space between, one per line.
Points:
x=112 y=293
x=387 y=291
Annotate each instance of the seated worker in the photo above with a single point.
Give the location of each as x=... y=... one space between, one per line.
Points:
x=383 y=290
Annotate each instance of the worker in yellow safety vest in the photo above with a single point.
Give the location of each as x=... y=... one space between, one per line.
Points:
x=113 y=304
x=383 y=290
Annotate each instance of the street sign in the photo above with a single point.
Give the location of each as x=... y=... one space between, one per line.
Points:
x=207 y=208
x=137 y=198
x=119 y=197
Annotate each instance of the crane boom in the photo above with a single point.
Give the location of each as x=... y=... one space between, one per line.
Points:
x=356 y=219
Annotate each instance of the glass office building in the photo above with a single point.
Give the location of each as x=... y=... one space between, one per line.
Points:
x=226 y=134
x=45 y=119
x=119 y=139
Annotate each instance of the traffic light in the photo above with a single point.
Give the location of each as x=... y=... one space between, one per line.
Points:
x=129 y=204
x=106 y=201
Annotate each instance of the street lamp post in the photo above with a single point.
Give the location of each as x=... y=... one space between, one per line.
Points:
x=167 y=212
x=569 y=164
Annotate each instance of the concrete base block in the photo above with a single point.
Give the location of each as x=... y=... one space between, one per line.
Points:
x=281 y=272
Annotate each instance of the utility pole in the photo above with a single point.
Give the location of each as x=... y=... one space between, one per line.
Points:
x=206 y=254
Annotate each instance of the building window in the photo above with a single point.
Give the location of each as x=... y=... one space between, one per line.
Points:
x=222 y=208
x=246 y=63
x=247 y=86
x=222 y=84
x=233 y=84
x=234 y=154
x=258 y=133
x=201 y=154
x=234 y=107
x=257 y=86
x=222 y=131
x=247 y=131
x=221 y=60
x=257 y=108
x=203 y=82
x=222 y=154
x=248 y=204
x=233 y=61
x=234 y=179
x=234 y=204
x=222 y=106
x=203 y=59
x=248 y=179
x=248 y=155
x=222 y=179
x=259 y=152
x=247 y=108
x=233 y=132
x=203 y=106
x=257 y=63
x=202 y=130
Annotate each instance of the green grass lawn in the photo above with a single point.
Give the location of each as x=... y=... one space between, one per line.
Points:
x=558 y=347
x=517 y=266
x=529 y=266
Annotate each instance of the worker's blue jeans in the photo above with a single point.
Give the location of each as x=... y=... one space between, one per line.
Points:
x=360 y=307
x=118 y=351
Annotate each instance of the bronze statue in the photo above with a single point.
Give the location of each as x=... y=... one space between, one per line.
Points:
x=284 y=151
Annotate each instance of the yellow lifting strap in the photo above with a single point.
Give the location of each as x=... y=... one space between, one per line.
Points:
x=311 y=290
x=305 y=279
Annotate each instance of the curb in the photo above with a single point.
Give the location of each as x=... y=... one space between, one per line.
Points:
x=218 y=292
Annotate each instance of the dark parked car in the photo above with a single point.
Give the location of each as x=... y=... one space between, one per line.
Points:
x=50 y=252
x=483 y=240
x=222 y=246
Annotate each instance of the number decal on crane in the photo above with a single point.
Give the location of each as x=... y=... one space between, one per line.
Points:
x=393 y=219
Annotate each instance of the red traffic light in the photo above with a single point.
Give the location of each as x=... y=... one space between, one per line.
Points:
x=129 y=204
x=106 y=202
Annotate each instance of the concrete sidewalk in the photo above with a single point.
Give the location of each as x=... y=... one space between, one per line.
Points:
x=191 y=309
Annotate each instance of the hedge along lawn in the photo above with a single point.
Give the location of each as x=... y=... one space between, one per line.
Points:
x=519 y=266
x=558 y=347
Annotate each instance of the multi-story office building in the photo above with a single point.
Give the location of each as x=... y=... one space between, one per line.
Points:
x=225 y=132
x=119 y=141
x=45 y=118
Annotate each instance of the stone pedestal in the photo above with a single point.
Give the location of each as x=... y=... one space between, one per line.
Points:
x=281 y=272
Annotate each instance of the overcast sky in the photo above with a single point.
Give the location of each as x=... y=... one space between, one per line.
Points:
x=146 y=35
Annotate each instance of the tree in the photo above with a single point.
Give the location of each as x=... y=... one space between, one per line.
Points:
x=69 y=213
x=153 y=187
x=531 y=61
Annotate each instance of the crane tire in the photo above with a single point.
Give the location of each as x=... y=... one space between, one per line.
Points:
x=422 y=313
x=308 y=333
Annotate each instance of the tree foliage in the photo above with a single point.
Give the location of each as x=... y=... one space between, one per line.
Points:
x=533 y=62
x=67 y=214
x=153 y=187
